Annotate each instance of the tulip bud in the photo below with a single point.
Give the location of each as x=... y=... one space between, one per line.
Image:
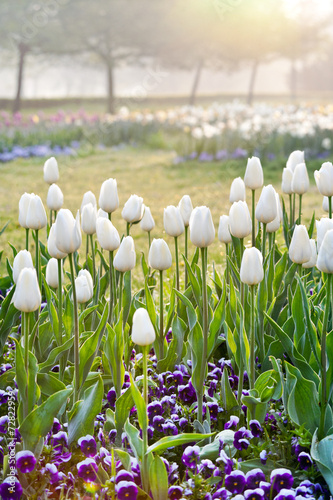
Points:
x=102 y=213
x=88 y=219
x=186 y=208
x=224 y=232
x=325 y=253
x=240 y=220
x=133 y=209
x=68 y=236
x=147 y=222
x=254 y=176
x=55 y=198
x=88 y=197
x=108 y=198
x=22 y=259
x=27 y=297
x=300 y=182
x=23 y=209
x=237 y=190
x=275 y=224
x=324 y=179
x=52 y=273
x=266 y=209
x=313 y=259
x=51 y=171
x=287 y=179
x=300 y=247
x=143 y=332
x=325 y=204
x=159 y=256
x=294 y=159
x=202 y=230
x=107 y=234
x=173 y=221
x=83 y=287
x=251 y=271
x=51 y=244
x=87 y=275
x=125 y=258
x=323 y=225
x=36 y=215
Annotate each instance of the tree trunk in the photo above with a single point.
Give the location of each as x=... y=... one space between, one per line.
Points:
x=23 y=50
x=195 y=83
x=110 y=97
x=254 y=70
x=293 y=80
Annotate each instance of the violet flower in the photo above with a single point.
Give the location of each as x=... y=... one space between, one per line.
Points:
x=88 y=445
x=235 y=481
x=25 y=461
x=126 y=490
x=87 y=469
x=191 y=456
x=281 y=479
x=11 y=489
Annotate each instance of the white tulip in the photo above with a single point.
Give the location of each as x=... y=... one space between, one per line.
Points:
x=36 y=215
x=324 y=179
x=313 y=259
x=147 y=222
x=159 y=256
x=22 y=259
x=325 y=254
x=102 y=213
x=273 y=226
x=88 y=197
x=87 y=275
x=51 y=171
x=254 y=176
x=52 y=273
x=240 y=220
x=143 y=332
x=68 y=236
x=202 y=230
x=266 y=209
x=51 y=244
x=23 y=209
x=294 y=159
x=237 y=190
x=325 y=204
x=88 y=218
x=108 y=198
x=83 y=289
x=300 y=183
x=300 y=247
x=186 y=208
x=55 y=198
x=27 y=296
x=224 y=231
x=133 y=209
x=251 y=271
x=107 y=234
x=173 y=221
x=323 y=225
x=125 y=257
x=287 y=179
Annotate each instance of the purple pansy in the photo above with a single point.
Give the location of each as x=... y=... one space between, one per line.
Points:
x=235 y=481
x=255 y=428
x=220 y=494
x=126 y=490
x=253 y=478
x=175 y=492
x=88 y=445
x=255 y=494
x=304 y=460
x=232 y=422
x=11 y=489
x=242 y=438
x=87 y=469
x=25 y=461
x=286 y=494
x=281 y=479
x=191 y=456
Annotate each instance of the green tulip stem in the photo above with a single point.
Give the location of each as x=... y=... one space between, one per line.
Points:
x=50 y=218
x=290 y=210
x=128 y=227
x=323 y=402
x=205 y=332
x=87 y=249
x=253 y=217
x=93 y=257
x=186 y=255
x=145 y=475
x=62 y=359
x=330 y=207
x=300 y=209
x=27 y=238
x=177 y=263
x=25 y=326
x=111 y=285
x=149 y=240
x=109 y=216
x=161 y=339
x=252 y=340
x=294 y=207
x=241 y=365
x=227 y=262
x=241 y=257
x=264 y=227
x=121 y=282
x=76 y=331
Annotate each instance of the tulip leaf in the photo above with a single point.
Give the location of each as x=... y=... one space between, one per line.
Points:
x=56 y=354
x=280 y=267
x=219 y=315
x=191 y=314
x=123 y=406
x=169 y=361
x=87 y=355
x=114 y=351
x=179 y=440
x=179 y=328
x=49 y=384
x=68 y=316
x=158 y=479
x=228 y=397
x=170 y=311
x=133 y=436
x=196 y=288
x=127 y=295
x=125 y=458
x=321 y=452
x=144 y=266
x=82 y=416
x=196 y=345
x=140 y=404
x=150 y=306
x=51 y=310
x=39 y=422
x=8 y=317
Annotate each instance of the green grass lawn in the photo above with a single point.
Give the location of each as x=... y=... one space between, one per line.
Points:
x=147 y=173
